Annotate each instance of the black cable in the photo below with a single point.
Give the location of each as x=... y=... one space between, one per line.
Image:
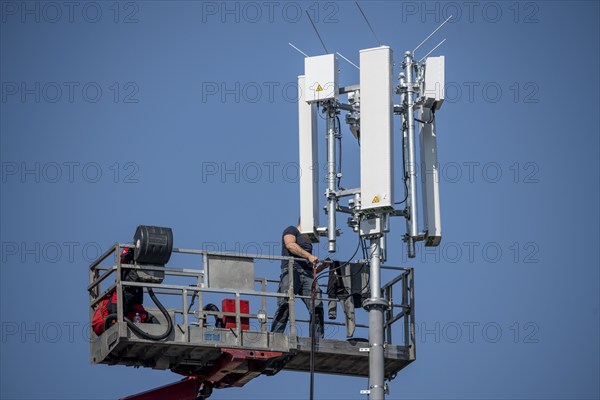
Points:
x=364 y=264
x=430 y=121
x=139 y=331
x=218 y=321
x=363 y=246
x=351 y=274
x=316 y=31
x=322 y=112
x=339 y=266
x=405 y=192
x=339 y=179
x=342 y=265
x=368 y=276
x=404 y=177
x=192 y=302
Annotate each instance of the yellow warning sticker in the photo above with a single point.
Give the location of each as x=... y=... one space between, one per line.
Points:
x=319 y=88
x=375 y=199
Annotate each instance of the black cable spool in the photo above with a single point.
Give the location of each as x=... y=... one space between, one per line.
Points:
x=153 y=245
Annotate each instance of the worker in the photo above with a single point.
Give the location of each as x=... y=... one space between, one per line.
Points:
x=295 y=244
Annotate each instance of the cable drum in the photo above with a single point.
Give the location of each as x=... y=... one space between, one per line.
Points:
x=153 y=245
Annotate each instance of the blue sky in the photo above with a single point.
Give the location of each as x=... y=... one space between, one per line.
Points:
x=182 y=114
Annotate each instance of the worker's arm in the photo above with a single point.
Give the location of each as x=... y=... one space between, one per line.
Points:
x=290 y=243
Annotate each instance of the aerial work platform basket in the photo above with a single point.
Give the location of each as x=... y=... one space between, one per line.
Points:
x=233 y=354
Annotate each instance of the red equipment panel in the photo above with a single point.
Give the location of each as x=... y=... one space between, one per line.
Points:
x=228 y=305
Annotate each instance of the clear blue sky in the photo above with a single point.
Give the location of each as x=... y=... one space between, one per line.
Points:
x=111 y=114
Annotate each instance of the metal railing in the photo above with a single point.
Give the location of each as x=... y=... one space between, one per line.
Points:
x=98 y=274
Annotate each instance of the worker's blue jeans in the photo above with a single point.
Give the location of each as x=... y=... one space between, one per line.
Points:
x=302 y=286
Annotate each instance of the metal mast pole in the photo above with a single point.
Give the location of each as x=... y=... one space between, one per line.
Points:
x=331 y=177
x=411 y=221
x=376 y=306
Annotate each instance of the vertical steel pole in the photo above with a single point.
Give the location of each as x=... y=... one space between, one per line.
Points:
x=389 y=314
x=331 y=177
x=203 y=323
x=186 y=330
x=376 y=305
x=411 y=201
x=263 y=287
x=119 y=286
x=238 y=320
x=405 y=311
x=291 y=299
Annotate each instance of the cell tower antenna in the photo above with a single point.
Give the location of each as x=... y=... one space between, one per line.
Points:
x=432 y=50
x=431 y=34
x=349 y=62
x=317 y=32
x=300 y=51
x=368 y=23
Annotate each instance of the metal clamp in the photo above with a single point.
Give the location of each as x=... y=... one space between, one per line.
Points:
x=367 y=304
x=385 y=387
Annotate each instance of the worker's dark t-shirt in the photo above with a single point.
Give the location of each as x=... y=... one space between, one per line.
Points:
x=303 y=241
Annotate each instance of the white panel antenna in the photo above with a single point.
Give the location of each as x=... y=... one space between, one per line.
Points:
x=430 y=179
x=308 y=163
x=321 y=81
x=434 y=82
x=376 y=129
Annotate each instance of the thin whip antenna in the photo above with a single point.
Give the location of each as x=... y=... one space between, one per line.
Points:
x=313 y=24
x=298 y=50
x=350 y=62
x=432 y=50
x=431 y=34
x=368 y=23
